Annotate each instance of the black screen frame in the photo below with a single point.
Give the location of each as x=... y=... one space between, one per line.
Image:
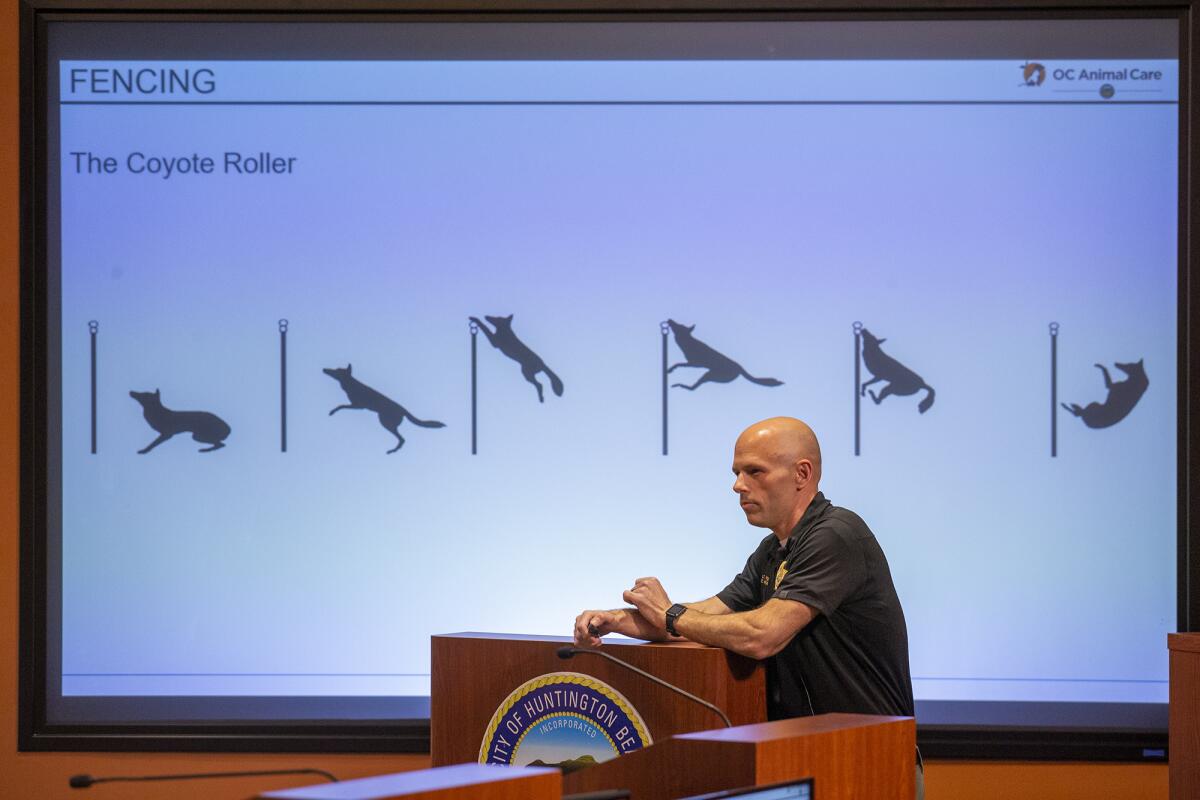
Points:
x=1010 y=742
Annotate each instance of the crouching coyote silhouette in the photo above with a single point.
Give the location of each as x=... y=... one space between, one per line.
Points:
x=721 y=368
x=901 y=380
x=1122 y=396
x=391 y=413
x=205 y=427
x=504 y=340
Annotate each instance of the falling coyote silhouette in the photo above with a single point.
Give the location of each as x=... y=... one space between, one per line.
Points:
x=506 y=341
x=1122 y=396
x=204 y=426
x=391 y=413
x=901 y=380
x=721 y=368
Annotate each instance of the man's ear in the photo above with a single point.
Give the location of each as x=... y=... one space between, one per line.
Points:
x=804 y=473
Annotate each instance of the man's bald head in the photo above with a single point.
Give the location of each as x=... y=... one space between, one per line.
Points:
x=785 y=438
x=777 y=466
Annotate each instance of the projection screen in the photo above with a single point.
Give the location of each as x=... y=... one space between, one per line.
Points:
x=357 y=332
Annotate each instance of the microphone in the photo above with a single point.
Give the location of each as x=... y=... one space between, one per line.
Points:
x=84 y=781
x=568 y=652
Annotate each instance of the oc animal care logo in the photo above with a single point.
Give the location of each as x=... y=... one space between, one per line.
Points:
x=1032 y=74
x=565 y=720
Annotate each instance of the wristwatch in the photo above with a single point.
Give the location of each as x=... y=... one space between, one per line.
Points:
x=674 y=613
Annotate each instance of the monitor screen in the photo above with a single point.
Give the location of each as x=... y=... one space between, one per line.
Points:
x=792 y=790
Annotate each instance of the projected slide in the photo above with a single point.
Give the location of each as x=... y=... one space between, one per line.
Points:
x=354 y=353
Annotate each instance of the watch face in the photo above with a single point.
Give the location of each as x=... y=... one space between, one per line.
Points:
x=673 y=614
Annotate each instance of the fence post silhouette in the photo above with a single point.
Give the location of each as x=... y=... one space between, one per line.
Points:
x=474 y=384
x=93 y=329
x=857 y=326
x=283 y=329
x=664 y=328
x=1054 y=390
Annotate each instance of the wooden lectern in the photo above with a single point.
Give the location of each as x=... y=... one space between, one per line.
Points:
x=472 y=674
x=1183 y=728
x=850 y=756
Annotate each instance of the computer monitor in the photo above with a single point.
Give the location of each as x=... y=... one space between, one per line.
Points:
x=788 y=790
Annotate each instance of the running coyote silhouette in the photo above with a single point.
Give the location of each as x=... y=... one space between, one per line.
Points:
x=204 y=427
x=1122 y=396
x=721 y=368
x=901 y=380
x=504 y=340
x=391 y=413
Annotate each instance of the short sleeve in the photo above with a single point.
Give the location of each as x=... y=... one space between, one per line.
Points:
x=742 y=592
x=826 y=569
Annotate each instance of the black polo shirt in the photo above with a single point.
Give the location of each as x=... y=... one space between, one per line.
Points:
x=853 y=656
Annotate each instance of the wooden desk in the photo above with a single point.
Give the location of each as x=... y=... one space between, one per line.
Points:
x=459 y=782
x=1184 y=727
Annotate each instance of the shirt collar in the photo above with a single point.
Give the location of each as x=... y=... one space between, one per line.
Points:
x=816 y=509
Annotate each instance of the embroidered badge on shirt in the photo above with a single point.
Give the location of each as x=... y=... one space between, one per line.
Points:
x=779 y=575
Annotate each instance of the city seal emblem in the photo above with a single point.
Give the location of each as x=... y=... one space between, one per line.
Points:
x=565 y=720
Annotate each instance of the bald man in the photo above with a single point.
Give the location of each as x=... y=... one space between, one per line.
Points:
x=815 y=599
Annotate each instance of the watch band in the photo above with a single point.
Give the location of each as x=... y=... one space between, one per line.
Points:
x=674 y=613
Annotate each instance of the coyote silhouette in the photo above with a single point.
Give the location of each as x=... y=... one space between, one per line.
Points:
x=204 y=426
x=504 y=340
x=391 y=413
x=721 y=368
x=1122 y=396
x=901 y=380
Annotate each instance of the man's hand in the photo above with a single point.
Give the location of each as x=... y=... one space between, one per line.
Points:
x=591 y=625
x=651 y=601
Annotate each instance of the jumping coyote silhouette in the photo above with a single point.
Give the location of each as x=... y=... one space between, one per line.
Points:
x=721 y=368
x=205 y=427
x=361 y=396
x=1122 y=396
x=901 y=380
x=506 y=341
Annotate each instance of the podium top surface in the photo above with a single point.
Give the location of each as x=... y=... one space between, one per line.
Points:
x=425 y=780
x=533 y=637
x=790 y=728
x=1188 y=642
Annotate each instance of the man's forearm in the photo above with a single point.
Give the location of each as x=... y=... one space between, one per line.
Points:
x=729 y=631
x=632 y=623
x=756 y=634
x=651 y=630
